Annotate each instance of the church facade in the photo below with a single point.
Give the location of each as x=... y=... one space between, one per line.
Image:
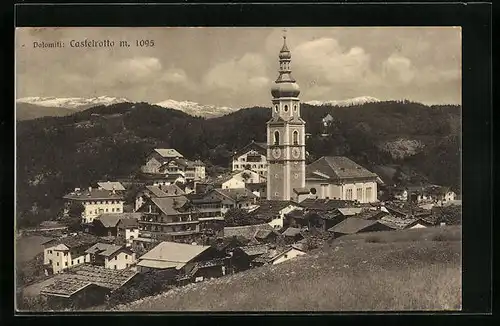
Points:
x=285 y=134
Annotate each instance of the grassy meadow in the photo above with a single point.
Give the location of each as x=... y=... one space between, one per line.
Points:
x=417 y=269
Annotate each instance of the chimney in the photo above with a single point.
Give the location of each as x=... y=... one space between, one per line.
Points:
x=90 y=189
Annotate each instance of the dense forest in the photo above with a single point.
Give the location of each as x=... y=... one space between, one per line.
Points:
x=57 y=154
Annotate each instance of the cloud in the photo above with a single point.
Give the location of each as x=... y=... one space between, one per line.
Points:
x=238 y=74
x=324 y=61
x=398 y=68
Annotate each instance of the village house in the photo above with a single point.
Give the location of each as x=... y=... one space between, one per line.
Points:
x=169 y=219
x=156 y=158
x=352 y=225
x=157 y=191
x=86 y=285
x=110 y=256
x=186 y=262
x=399 y=223
x=278 y=255
x=326 y=123
x=209 y=210
x=127 y=230
x=338 y=177
x=274 y=211
x=233 y=198
x=251 y=157
x=258 y=189
x=243 y=257
x=168 y=161
x=62 y=253
x=292 y=235
x=106 y=224
x=248 y=232
x=239 y=179
x=228 y=244
x=300 y=194
x=95 y=202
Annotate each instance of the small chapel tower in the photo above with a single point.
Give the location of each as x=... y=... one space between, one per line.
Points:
x=285 y=134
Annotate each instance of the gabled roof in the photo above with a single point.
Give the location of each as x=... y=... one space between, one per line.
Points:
x=271 y=208
x=108 y=278
x=110 y=220
x=173 y=252
x=352 y=225
x=168 y=152
x=337 y=168
x=165 y=190
x=64 y=287
x=260 y=147
x=349 y=211
x=105 y=249
x=292 y=232
x=111 y=185
x=255 y=250
x=236 y=194
x=398 y=223
x=248 y=231
x=83 y=240
x=93 y=194
x=128 y=223
x=170 y=205
x=273 y=254
x=263 y=234
x=370 y=214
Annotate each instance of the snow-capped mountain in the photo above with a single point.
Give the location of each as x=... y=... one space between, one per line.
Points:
x=71 y=102
x=349 y=102
x=196 y=109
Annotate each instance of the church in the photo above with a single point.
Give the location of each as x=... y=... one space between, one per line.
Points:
x=287 y=175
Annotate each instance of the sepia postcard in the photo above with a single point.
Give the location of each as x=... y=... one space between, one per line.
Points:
x=238 y=169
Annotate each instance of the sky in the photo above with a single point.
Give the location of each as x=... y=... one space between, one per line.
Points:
x=236 y=66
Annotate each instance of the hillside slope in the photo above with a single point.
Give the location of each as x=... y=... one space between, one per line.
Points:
x=399 y=270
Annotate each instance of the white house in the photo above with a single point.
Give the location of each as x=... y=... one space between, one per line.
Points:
x=95 y=202
x=157 y=158
x=338 y=177
x=251 y=157
x=275 y=210
x=110 y=256
x=274 y=257
x=127 y=230
x=60 y=254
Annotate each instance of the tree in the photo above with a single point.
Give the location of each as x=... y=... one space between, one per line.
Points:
x=240 y=217
x=75 y=209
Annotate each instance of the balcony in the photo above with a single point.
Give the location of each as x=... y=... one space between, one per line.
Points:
x=169 y=223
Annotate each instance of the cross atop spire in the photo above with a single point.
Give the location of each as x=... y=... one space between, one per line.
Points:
x=284 y=33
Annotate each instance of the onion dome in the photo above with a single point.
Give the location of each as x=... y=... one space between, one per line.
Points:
x=286 y=89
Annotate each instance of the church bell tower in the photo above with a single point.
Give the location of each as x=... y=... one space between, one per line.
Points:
x=285 y=134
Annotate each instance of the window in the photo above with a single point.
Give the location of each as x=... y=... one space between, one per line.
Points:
x=116 y=257
x=295 y=137
x=106 y=210
x=313 y=191
x=236 y=166
x=115 y=266
x=126 y=256
x=57 y=254
x=295 y=108
x=285 y=256
x=57 y=263
x=66 y=264
x=65 y=254
x=118 y=210
x=276 y=107
x=112 y=210
x=95 y=211
x=286 y=108
x=276 y=137
x=78 y=261
x=359 y=194
x=349 y=194
x=50 y=251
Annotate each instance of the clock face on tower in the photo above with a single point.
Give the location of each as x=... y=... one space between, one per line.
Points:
x=296 y=152
x=276 y=152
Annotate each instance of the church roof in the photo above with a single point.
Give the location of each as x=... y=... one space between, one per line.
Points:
x=337 y=168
